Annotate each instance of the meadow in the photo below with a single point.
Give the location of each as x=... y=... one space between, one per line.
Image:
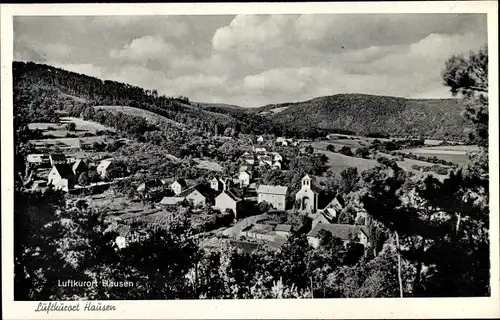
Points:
x=455 y=154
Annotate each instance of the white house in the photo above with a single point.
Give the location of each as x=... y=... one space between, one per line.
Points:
x=260 y=139
x=260 y=150
x=244 y=178
x=276 y=156
x=37 y=159
x=61 y=176
x=217 y=184
x=102 y=168
x=277 y=165
x=178 y=186
x=274 y=195
x=227 y=200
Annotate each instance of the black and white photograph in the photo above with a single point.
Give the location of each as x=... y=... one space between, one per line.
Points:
x=249 y=156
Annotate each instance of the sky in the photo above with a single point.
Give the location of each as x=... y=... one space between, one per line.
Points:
x=254 y=60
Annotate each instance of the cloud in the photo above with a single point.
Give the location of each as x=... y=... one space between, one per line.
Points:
x=252 y=60
x=143 y=49
x=249 y=32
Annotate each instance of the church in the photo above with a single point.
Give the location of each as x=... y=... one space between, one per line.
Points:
x=306 y=198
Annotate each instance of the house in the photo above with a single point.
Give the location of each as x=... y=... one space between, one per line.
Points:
x=333 y=208
x=37 y=159
x=199 y=195
x=260 y=139
x=280 y=139
x=277 y=165
x=217 y=184
x=274 y=195
x=284 y=143
x=103 y=167
x=178 y=186
x=166 y=201
x=79 y=166
x=61 y=176
x=307 y=196
x=57 y=158
x=248 y=158
x=127 y=235
x=346 y=232
x=246 y=167
x=283 y=230
x=123 y=233
x=148 y=185
x=244 y=178
x=260 y=150
x=265 y=161
x=228 y=199
x=276 y=156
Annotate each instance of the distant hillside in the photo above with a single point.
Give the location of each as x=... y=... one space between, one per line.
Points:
x=363 y=114
x=220 y=106
x=42 y=89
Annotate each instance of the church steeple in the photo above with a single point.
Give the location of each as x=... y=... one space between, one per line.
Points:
x=306 y=182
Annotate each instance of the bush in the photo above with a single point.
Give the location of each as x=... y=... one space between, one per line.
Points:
x=362 y=152
x=345 y=150
x=330 y=148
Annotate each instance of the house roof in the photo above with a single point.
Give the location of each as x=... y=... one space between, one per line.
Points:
x=104 y=164
x=64 y=170
x=336 y=197
x=283 y=227
x=342 y=231
x=58 y=157
x=203 y=189
x=78 y=163
x=234 y=195
x=241 y=172
x=246 y=168
x=181 y=181
x=123 y=230
x=171 y=200
x=149 y=184
x=281 y=190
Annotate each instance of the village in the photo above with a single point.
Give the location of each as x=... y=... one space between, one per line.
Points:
x=259 y=214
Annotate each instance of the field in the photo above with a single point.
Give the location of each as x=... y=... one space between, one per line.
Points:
x=66 y=142
x=455 y=154
x=338 y=162
x=208 y=165
x=149 y=116
x=59 y=129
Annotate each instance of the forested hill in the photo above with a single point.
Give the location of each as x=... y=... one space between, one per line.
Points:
x=209 y=118
x=364 y=114
x=348 y=113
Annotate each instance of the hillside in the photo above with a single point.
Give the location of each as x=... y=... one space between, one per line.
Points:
x=363 y=114
x=149 y=116
x=49 y=85
x=343 y=113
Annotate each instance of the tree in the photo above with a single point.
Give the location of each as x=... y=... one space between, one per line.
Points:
x=71 y=126
x=83 y=179
x=330 y=148
x=362 y=152
x=349 y=179
x=345 y=150
x=309 y=149
x=467 y=76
